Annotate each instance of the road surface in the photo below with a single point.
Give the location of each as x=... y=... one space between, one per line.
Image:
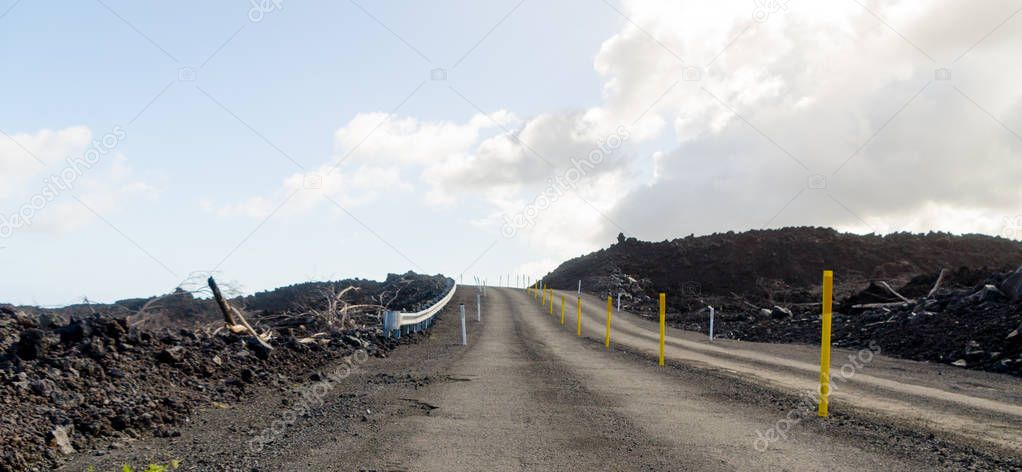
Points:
x=528 y=394
x=979 y=405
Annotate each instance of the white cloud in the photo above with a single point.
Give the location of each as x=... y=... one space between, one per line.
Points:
x=373 y=151
x=773 y=103
x=958 y=219
x=504 y=160
x=305 y=191
x=539 y=266
x=41 y=173
x=104 y=190
x=821 y=80
x=27 y=156
x=374 y=137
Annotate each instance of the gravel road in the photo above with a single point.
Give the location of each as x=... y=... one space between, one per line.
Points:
x=979 y=407
x=527 y=394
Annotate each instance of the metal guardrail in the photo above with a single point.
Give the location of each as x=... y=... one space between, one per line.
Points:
x=396 y=323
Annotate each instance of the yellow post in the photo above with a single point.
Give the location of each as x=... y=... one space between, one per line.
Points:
x=578 y=315
x=551 y=302
x=544 y=294
x=606 y=338
x=562 y=310
x=663 y=325
x=828 y=299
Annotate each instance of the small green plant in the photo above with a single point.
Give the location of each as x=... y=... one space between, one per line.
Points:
x=172 y=465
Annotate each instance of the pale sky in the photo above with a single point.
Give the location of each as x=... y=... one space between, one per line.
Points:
x=277 y=142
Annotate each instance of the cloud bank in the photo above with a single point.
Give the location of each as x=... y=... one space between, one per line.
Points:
x=883 y=116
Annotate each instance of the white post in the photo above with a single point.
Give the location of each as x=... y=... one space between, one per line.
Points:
x=464 y=334
x=391 y=324
x=619 y=302
x=580 y=288
x=711 y=323
x=479 y=309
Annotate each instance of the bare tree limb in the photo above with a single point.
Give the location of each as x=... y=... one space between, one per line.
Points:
x=225 y=308
x=867 y=306
x=233 y=319
x=936 y=286
x=895 y=292
x=334 y=311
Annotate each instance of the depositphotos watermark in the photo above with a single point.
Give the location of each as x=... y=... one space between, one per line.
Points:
x=1012 y=228
x=61 y=182
x=563 y=183
x=765 y=8
x=261 y=8
x=311 y=397
x=808 y=401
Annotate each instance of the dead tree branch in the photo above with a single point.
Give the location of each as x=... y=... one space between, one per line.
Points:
x=335 y=311
x=936 y=286
x=895 y=292
x=233 y=319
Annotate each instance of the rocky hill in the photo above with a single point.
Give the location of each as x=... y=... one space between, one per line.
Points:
x=765 y=287
x=776 y=265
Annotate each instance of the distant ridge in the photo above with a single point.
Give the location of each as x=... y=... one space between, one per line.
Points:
x=721 y=263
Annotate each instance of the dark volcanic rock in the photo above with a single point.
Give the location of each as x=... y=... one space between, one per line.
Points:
x=974 y=327
x=989 y=293
x=766 y=287
x=779 y=266
x=74 y=332
x=1012 y=286
x=97 y=378
x=31 y=344
x=172 y=355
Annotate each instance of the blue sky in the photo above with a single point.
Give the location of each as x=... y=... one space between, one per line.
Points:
x=295 y=77
x=213 y=173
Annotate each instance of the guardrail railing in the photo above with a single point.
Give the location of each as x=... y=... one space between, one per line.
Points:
x=396 y=323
